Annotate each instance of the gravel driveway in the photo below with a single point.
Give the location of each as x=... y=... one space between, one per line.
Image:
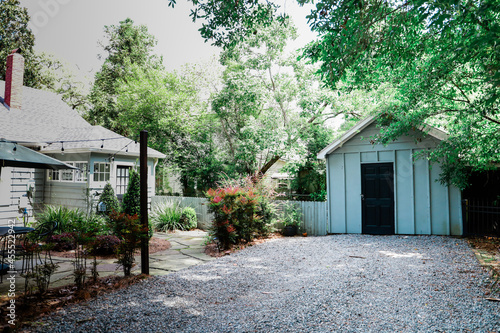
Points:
x=341 y=283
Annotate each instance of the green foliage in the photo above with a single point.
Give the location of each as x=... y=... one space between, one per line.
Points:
x=128 y=45
x=109 y=198
x=166 y=216
x=132 y=198
x=129 y=230
x=292 y=215
x=235 y=214
x=188 y=218
x=15 y=33
x=71 y=220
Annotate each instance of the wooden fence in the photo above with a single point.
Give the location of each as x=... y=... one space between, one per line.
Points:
x=314 y=215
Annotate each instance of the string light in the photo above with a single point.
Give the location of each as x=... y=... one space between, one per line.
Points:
x=15 y=147
x=102 y=144
x=62 y=146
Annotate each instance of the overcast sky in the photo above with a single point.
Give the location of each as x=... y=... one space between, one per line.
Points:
x=71 y=29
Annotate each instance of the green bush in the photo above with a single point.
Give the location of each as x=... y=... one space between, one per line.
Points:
x=132 y=198
x=68 y=220
x=188 y=218
x=166 y=216
x=109 y=198
x=72 y=220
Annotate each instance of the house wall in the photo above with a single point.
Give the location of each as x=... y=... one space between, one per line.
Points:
x=422 y=205
x=80 y=194
x=13 y=190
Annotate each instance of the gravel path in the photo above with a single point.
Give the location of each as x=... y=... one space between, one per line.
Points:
x=341 y=283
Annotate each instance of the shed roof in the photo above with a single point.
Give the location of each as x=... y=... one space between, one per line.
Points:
x=44 y=120
x=360 y=126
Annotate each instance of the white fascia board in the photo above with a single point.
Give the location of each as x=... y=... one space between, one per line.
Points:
x=346 y=137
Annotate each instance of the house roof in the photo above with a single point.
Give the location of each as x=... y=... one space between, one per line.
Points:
x=360 y=126
x=45 y=121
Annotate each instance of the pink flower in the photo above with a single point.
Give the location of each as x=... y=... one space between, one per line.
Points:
x=217 y=199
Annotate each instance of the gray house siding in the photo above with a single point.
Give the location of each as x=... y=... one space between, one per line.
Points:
x=421 y=204
x=13 y=187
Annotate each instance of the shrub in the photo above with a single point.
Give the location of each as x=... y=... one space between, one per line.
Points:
x=166 y=216
x=62 y=242
x=68 y=220
x=234 y=209
x=104 y=245
x=188 y=218
x=132 y=197
x=129 y=230
x=109 y=198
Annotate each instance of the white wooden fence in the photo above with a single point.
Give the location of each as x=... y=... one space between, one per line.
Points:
x=314 y=215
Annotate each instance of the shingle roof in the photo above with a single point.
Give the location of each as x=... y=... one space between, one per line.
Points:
x=44 y=119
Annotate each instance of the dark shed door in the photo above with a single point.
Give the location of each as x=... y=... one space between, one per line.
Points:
x=377 y=185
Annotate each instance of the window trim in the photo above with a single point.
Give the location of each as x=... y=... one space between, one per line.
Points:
x=59 y=173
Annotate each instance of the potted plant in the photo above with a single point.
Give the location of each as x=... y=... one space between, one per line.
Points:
x=291 y=220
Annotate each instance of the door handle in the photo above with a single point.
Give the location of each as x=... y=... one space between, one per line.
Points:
x=362 y=197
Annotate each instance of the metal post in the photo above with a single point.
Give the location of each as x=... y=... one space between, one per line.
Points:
x=144 y=200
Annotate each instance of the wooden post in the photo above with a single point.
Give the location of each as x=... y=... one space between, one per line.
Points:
x=143 y=158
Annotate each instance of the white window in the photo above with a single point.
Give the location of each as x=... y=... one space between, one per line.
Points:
x=70 y=175
x=101 y=171
x=81 y=173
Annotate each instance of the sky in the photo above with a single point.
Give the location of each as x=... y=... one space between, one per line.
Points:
x=70 y=29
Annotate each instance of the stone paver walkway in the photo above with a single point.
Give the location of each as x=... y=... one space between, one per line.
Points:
x=187 y=250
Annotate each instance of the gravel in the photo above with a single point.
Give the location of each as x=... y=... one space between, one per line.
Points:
x=340 y=283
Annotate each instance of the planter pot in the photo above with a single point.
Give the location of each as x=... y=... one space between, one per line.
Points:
x=290 y=230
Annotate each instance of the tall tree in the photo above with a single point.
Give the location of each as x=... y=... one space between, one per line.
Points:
x=14 y=34
x=128 y=45
x=441 y=56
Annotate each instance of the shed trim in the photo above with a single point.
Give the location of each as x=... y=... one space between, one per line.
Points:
x=360 y=126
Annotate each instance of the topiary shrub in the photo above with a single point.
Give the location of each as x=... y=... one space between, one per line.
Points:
x=188 y=218
x=132 y=198
x=109 y=198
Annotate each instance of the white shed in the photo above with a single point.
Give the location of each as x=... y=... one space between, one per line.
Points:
x=378 y=189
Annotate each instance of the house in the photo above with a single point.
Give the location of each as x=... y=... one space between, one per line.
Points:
x=376 y=189
x=40 y=120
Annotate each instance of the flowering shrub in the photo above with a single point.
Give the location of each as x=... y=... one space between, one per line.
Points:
x=235 y=210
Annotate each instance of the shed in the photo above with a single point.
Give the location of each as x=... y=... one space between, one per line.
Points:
x=377 y=189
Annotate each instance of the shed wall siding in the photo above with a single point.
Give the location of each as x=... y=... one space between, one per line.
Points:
x=422 y=205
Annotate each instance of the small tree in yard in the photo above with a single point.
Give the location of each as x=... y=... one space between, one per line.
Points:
x=132 y=198
x=108 y=197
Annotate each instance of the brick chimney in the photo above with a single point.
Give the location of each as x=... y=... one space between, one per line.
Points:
x=14 y=80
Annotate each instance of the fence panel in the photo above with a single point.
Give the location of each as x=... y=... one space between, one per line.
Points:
x=481 y=217
x=313 y=212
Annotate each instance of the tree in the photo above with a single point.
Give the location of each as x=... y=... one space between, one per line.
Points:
x=108 y=197
x=441 y=56
x=132 y=197
x=128 y=45
x=14 y=34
